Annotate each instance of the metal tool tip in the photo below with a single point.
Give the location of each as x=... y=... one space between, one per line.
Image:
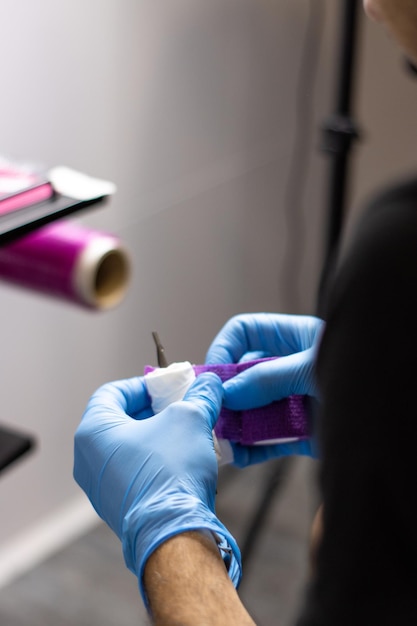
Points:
x=160 y=351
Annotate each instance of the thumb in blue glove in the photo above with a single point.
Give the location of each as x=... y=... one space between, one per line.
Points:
x=148 y=476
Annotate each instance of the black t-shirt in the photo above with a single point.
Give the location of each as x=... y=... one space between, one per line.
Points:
x=367 y=426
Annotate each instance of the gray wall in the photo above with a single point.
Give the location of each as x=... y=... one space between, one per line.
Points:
x=190 y=107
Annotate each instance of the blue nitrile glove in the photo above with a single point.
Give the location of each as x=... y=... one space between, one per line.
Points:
x=249 y=336
x=150 y=477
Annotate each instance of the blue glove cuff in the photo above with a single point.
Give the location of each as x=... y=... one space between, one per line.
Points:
x=147 y=526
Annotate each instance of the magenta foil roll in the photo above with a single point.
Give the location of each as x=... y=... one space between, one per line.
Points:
x=68 y=261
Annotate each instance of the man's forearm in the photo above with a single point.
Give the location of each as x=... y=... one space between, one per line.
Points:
x=187 y=584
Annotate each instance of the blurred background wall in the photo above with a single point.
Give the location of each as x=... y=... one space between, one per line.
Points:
x=206 y=115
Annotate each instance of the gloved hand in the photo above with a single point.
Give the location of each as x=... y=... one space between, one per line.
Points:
x=295 y=338
x=150 y=477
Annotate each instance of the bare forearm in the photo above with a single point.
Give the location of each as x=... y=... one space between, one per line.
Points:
x=187 y=584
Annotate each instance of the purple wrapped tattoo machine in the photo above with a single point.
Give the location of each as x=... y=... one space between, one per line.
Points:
x=283 y=420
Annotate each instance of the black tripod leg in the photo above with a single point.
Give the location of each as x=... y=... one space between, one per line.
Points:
x=273 y=481
x=339 y=132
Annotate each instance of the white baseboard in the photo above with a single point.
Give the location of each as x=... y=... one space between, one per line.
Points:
x=53 y=533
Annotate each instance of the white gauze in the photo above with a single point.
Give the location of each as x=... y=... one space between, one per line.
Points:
x=170 y=384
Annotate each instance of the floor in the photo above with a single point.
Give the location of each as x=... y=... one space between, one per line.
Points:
x=87 y=583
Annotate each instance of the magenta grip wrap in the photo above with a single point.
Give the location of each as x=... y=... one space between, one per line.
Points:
x=281 y=420
x=68 y=261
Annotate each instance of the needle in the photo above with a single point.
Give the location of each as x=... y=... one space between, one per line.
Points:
x=160 y=351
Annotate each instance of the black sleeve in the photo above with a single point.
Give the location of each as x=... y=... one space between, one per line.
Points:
x=367 y=374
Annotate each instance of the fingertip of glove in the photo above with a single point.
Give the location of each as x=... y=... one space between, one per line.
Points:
x=206 y=384
x=232 y=395
x=207 y=389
